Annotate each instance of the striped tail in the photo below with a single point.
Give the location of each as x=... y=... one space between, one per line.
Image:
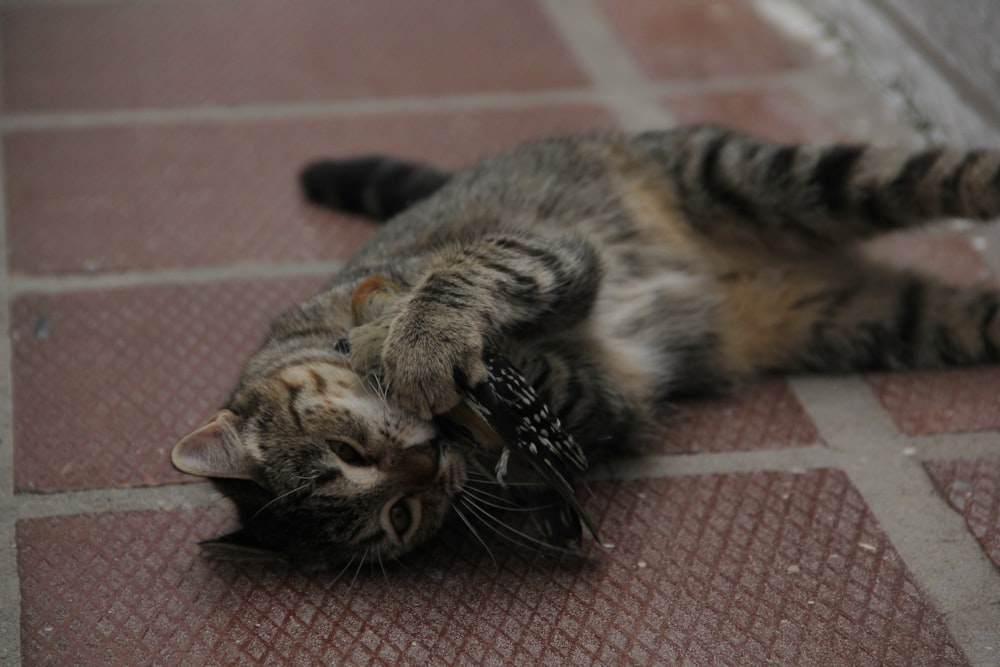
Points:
x=820 y=195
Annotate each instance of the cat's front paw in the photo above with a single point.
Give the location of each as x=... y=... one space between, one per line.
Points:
x=424 y=355
x=367 y=342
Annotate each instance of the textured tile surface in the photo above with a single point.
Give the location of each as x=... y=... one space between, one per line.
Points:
x=948 y=401
x=692 y=39
x=114 y=55
x=218 y=193
x=105 y=382
x=775 y=114
x=730 y=570
x=765 y=416
x=972 y=486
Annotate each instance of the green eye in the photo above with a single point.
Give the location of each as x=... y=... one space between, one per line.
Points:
x=400 y=517
x=347 y=453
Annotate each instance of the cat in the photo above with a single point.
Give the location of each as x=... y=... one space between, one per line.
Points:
x=616 y=272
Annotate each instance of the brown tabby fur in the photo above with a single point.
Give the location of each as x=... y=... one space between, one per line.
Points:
x=616 y=272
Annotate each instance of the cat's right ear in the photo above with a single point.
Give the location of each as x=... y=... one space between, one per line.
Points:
x=214 y=450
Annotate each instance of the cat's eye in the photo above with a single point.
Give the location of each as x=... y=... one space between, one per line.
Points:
x=400 y=517
x=347 y=453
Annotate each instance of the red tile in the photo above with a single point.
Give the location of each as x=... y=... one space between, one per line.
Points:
x=972 y=486
x=950 y=401
x=946 y=401
x=196 y=52
x=770 y=113
x=731 y=569
x=105 y=382
x=764 y=416
x=217 y=193
x=693 y=39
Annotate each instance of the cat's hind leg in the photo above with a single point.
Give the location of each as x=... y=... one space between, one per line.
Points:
x=374 y=187
x=881 y=318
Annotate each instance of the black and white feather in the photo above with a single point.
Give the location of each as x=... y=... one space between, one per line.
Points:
x=513 y=409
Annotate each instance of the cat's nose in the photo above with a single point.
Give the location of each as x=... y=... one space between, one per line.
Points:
x=417 y=466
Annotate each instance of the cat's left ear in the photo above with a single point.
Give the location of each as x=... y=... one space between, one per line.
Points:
x=214 y=450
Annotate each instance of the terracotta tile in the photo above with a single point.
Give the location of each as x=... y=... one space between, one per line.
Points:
x=771 y=113
x=692 y=39
x=949 y=401
x=217 y=193
x=194 y=52
x=972 y=486
x=946 y=401
x=105 y=382
x=731 y=569
x=764 y=416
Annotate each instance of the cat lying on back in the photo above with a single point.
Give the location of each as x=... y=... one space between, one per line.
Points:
x=615 y=271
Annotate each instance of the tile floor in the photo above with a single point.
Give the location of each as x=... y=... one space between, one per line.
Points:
x=153 y=228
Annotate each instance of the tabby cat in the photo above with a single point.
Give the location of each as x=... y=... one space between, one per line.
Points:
x=615 y=271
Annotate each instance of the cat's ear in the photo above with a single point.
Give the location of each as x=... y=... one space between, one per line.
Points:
x=240 y=547
x=214 y=450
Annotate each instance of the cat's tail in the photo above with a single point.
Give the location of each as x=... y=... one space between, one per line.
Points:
x=820 y=195
x=374 y=187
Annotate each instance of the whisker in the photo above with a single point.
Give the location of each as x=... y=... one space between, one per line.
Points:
x=484 y=497
x=381 y=565
x=342 y=571
x=476 y=534
x=483 y=493
x=360 y=563
x=475 y=474
x=499 y=526
x=283 y=495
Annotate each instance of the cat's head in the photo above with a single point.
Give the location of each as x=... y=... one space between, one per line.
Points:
x=322 y=468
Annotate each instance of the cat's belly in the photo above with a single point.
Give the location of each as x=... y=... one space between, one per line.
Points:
x=643 y=325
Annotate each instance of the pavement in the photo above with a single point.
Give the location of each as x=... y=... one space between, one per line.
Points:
x=152 y=228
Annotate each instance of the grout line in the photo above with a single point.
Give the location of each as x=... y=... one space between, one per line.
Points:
x=96 y=501
x=951 y=447
x=44 y=120
x=601 y=54
x=787 y=459
x=932 y=539
x=629 y=96
x=53 y=284
x=10 y=584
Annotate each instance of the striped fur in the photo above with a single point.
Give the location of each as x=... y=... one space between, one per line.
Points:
x=617 y=271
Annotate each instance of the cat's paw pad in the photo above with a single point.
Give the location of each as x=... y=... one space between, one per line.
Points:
x=420 y=363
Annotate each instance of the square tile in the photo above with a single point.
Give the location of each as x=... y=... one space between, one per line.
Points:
x=105 y=382
x=972 y=487
x=726 y=569
x=99 y=56
x=692 y=39
x=958 y=400
x=213 y=193
x=764 y=416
